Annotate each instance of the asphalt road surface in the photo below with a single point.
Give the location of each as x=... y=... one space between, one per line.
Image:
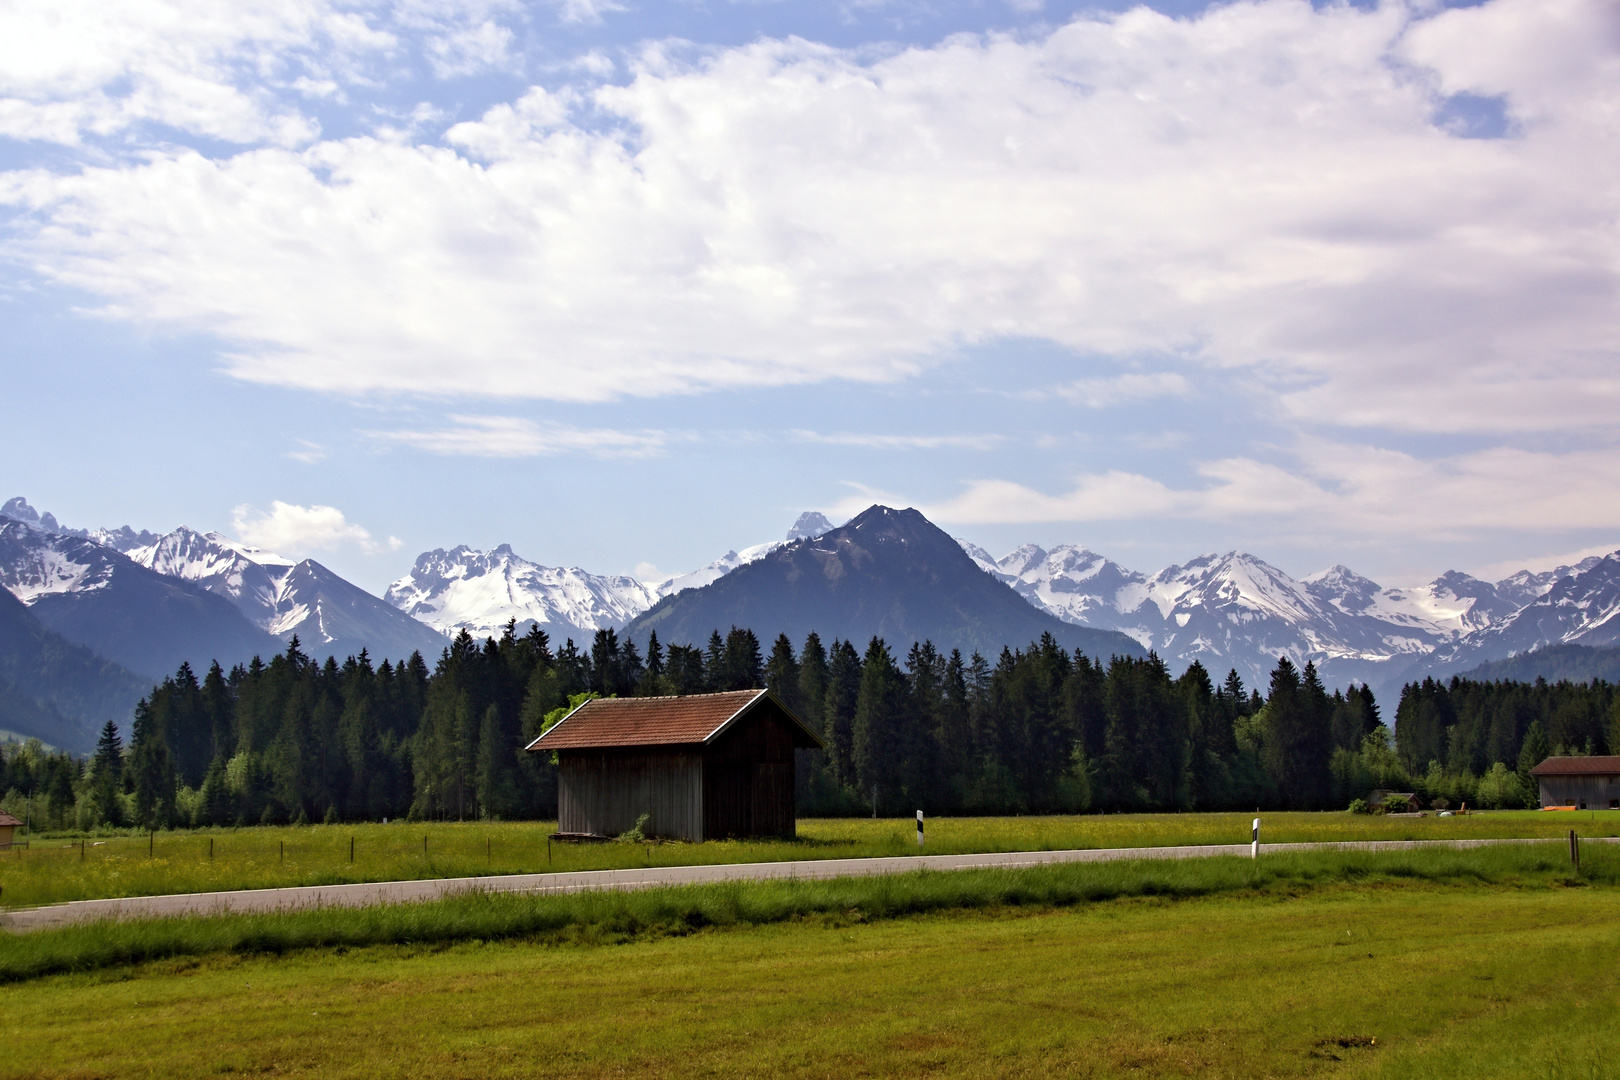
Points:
x=399 y=892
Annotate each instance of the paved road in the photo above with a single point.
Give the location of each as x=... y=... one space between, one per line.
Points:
x=396 y=892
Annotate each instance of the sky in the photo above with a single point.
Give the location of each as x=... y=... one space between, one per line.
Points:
x=627 y=284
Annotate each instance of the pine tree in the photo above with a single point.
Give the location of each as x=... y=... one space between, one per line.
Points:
x=151 y=769
x=1534 y=751
x=843 y=692
x=782 y=674
x=878 y=739
x=107 y=775
x=813 y=681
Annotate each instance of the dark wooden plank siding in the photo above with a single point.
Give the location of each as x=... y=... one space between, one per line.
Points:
x=1595 y=792
x=748 y=778
x=606 y=791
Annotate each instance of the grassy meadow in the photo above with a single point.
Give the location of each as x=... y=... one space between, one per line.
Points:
x=1481 y=964
x=64 y=868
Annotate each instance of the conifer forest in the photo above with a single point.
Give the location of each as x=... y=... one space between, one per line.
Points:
x=1037 y=730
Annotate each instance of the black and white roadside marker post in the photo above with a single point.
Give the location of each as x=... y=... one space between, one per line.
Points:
x=919 y=828
x=1254 y=841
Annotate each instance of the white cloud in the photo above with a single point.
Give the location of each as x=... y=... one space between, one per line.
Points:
x=1333 y=488
x=241 y=71
x=1542 y=563
x=71 y=69
x=902 y=442
x=1121 y=389
x=513 y=437
x=298 y=530
x=1261 y=187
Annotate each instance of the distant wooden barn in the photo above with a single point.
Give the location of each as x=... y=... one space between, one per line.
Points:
x=1590 y=783
x=8 y=828
x=702 y=766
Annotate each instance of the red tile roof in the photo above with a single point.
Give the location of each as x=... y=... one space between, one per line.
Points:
x=1578 y=766
x=651 y=721
x=7 y=819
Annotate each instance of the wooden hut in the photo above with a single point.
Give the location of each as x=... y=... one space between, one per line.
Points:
x=701 y=766
x=8 y=828
x=1589 y=783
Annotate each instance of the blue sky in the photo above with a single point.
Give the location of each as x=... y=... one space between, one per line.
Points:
x=626 y=285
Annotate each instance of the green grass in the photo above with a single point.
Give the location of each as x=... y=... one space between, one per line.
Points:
x=1495 y=967
x=54 y=870
x=628 y=915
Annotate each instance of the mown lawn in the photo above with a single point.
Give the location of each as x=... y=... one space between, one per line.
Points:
x=59 y=869
x=1379 y=979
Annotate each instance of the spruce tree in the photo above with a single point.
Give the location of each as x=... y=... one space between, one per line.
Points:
x=843 y=692
x=782 y=674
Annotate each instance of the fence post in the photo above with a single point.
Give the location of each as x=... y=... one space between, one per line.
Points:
x=548 y=849
x=151 y=844
x=919 y=830
x=284 y=851
x=1574 y=850
x=210 y=849
x=351 y=850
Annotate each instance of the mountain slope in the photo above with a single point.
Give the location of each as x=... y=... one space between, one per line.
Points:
x=329 y=615
x=889 y=573
x=55 y=690
x=97 y=597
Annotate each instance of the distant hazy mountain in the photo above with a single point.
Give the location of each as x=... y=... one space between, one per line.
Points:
x=889 y=573
x=54 y=690
x=1555 y=663
x=98 y=597
x=284 y=598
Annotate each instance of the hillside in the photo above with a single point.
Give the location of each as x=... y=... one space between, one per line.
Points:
x=55 y=690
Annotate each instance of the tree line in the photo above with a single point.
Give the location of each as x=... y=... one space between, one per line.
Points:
x=1039 y=730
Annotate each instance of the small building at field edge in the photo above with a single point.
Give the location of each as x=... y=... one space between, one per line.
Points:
x=1588 y=783
x=8 y=827
x=701 y=766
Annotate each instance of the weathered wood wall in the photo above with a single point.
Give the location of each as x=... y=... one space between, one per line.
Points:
x=748 y=779
x=1596 y=792
x=605 y=791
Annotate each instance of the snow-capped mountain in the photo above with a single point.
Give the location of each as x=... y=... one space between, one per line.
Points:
x=122 y=539
x=95 y=596
x=1236 y=610
x=480 y=591
x=1578 y=608
x=288 y=598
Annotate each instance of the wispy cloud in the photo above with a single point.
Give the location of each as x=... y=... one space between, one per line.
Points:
x=1123 y=389
x=308 y=452
x=1343 y=488
x=297 y=530
x=516 y=437
x=901 y=442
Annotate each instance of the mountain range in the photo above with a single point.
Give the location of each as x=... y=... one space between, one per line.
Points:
x=139 y=603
